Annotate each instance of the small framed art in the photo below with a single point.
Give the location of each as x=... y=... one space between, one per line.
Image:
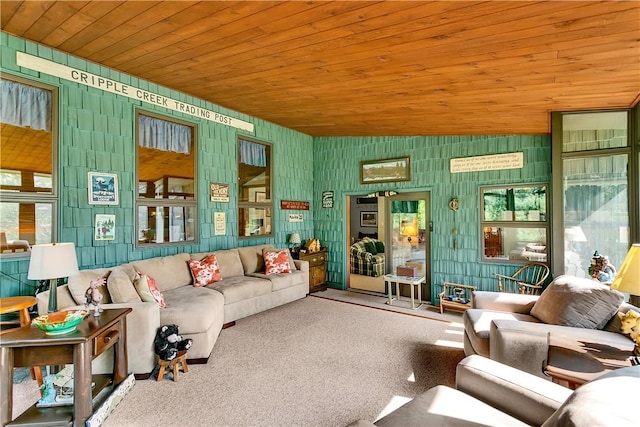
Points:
x=105 y=227
x=385 y=170
x=103 y=188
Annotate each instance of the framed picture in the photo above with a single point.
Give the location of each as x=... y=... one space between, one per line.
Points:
x=103 y=188
x=385 y=170
x=105 y=227
x=368 y=219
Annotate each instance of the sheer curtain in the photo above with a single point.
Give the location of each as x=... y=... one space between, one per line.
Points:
x=25 y=106
x=163 y=135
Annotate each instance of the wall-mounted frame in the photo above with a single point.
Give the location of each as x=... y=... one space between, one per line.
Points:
x=368 y=219
x=385 y=170
x=103 y=188
x=105 y=227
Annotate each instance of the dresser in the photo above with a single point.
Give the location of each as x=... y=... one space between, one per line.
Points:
x=317 y=268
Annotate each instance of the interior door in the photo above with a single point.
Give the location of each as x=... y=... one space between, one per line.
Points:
x=408 y=234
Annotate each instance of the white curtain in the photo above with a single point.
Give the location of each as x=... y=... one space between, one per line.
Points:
x=25 y=106
x=252 y=153
x=163 y=135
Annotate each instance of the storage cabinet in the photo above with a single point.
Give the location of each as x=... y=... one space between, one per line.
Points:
x=317 y=269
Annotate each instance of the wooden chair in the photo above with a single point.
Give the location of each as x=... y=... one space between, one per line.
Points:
x=527 y=280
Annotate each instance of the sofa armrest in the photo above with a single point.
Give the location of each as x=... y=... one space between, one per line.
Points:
x=517 y=393
x=503 y=301
x=301 y=265
x=522 y=345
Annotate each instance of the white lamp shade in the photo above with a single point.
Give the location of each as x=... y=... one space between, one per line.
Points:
x=628 y=277
x=294 y=239
x=52 y=261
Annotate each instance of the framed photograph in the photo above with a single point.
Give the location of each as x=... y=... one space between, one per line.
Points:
x=385 y=170
x=261 y=197
x=103 y=188
x=105 y=227
x=368 y=219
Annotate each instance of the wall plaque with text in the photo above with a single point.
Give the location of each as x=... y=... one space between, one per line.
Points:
x=295 y=205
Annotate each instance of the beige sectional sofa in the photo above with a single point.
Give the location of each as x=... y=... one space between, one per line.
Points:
x=514 y=329
x=199 y=312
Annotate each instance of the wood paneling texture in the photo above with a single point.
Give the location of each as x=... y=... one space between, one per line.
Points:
x=362 y=68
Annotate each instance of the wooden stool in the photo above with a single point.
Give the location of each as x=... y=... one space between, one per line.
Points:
x=21 y=305
x=180 y=359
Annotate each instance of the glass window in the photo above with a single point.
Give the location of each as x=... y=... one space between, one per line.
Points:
x=166 y=159
x=254 y=188
x=594 y=131
x=514 y=223
x=28 y=143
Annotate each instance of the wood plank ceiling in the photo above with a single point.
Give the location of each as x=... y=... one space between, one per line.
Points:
x=362 y=68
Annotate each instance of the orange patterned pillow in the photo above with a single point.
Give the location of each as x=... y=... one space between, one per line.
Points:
x=206 y=271
x=148 y=290
x=276 y=262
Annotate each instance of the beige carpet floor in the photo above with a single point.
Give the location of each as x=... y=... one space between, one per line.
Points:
x=313 y=362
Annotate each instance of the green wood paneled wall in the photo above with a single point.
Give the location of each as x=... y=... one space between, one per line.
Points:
x=337 y=168
x=97 y=134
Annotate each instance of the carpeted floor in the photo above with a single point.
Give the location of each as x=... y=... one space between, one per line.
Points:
x=313 y=362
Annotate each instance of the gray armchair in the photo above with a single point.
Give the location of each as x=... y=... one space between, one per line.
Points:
x=489 y=393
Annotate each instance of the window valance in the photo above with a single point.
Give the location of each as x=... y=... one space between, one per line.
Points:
x=252 y=153
x=163 y=135
x=25 y=106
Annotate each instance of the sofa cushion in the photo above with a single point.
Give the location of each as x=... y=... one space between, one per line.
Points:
x=148 y=290
x=241 y=288
x=609 y=400
x=614 y=324
x=170 y=271
x=120 y=284
x=370 y=247
x=206 y=271
x=577 y=302
x=194 y=310
x=445 y=406
x=283 y=280
x=276 y=262
x=477 y=324
x=78 y=284
x=252 y=259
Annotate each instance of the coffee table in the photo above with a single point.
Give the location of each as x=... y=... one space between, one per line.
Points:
x=572 y=362
x=413 y=282
x=28 y=346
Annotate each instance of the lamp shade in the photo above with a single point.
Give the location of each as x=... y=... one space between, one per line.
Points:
x=294 y=239
x=52 y=261
x=628 y=277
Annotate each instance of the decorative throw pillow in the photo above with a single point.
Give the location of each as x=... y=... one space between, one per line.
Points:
x=371 y=248
x=380 y=247
x=577 y=302
x=148 y=290
x=206 y=271
x=276 y=261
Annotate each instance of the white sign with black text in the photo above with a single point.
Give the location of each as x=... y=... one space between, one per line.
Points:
x=487 y=163
x=295 y=217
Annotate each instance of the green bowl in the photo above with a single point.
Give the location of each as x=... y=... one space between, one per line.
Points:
x=60 y=322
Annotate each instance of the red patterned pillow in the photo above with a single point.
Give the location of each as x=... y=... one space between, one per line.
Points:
x=206 y=271
x=148 y=290
x=276 y=262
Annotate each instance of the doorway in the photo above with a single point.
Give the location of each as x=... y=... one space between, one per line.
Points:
x=402 y=223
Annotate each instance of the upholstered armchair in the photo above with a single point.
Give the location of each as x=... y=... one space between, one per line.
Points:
x=367 y=257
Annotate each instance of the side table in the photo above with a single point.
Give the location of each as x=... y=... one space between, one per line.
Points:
x=571 y=362
x=413 y=282
x=317 y=268
x=27 y=346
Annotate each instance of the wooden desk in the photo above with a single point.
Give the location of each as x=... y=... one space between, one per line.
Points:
x=572 y=362
x=19 y=304
x=28 y=346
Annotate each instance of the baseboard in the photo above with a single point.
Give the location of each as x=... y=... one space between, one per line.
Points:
x=228 y=325
x=199 y=361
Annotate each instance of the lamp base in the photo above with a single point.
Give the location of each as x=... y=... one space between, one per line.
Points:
x=53 y=296
x=634 y=300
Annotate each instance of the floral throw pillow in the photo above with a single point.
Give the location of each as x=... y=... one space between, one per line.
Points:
x=148 y=290
x=205 y=272
x=276 y=261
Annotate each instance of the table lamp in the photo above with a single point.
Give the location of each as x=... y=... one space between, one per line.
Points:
x=294 y=239
x=409 y=230
x=52 y=262
x=628 y=277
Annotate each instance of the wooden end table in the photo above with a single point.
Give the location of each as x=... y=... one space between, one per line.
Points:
x=413 y=282
x=572 y=362
x=29 y=346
